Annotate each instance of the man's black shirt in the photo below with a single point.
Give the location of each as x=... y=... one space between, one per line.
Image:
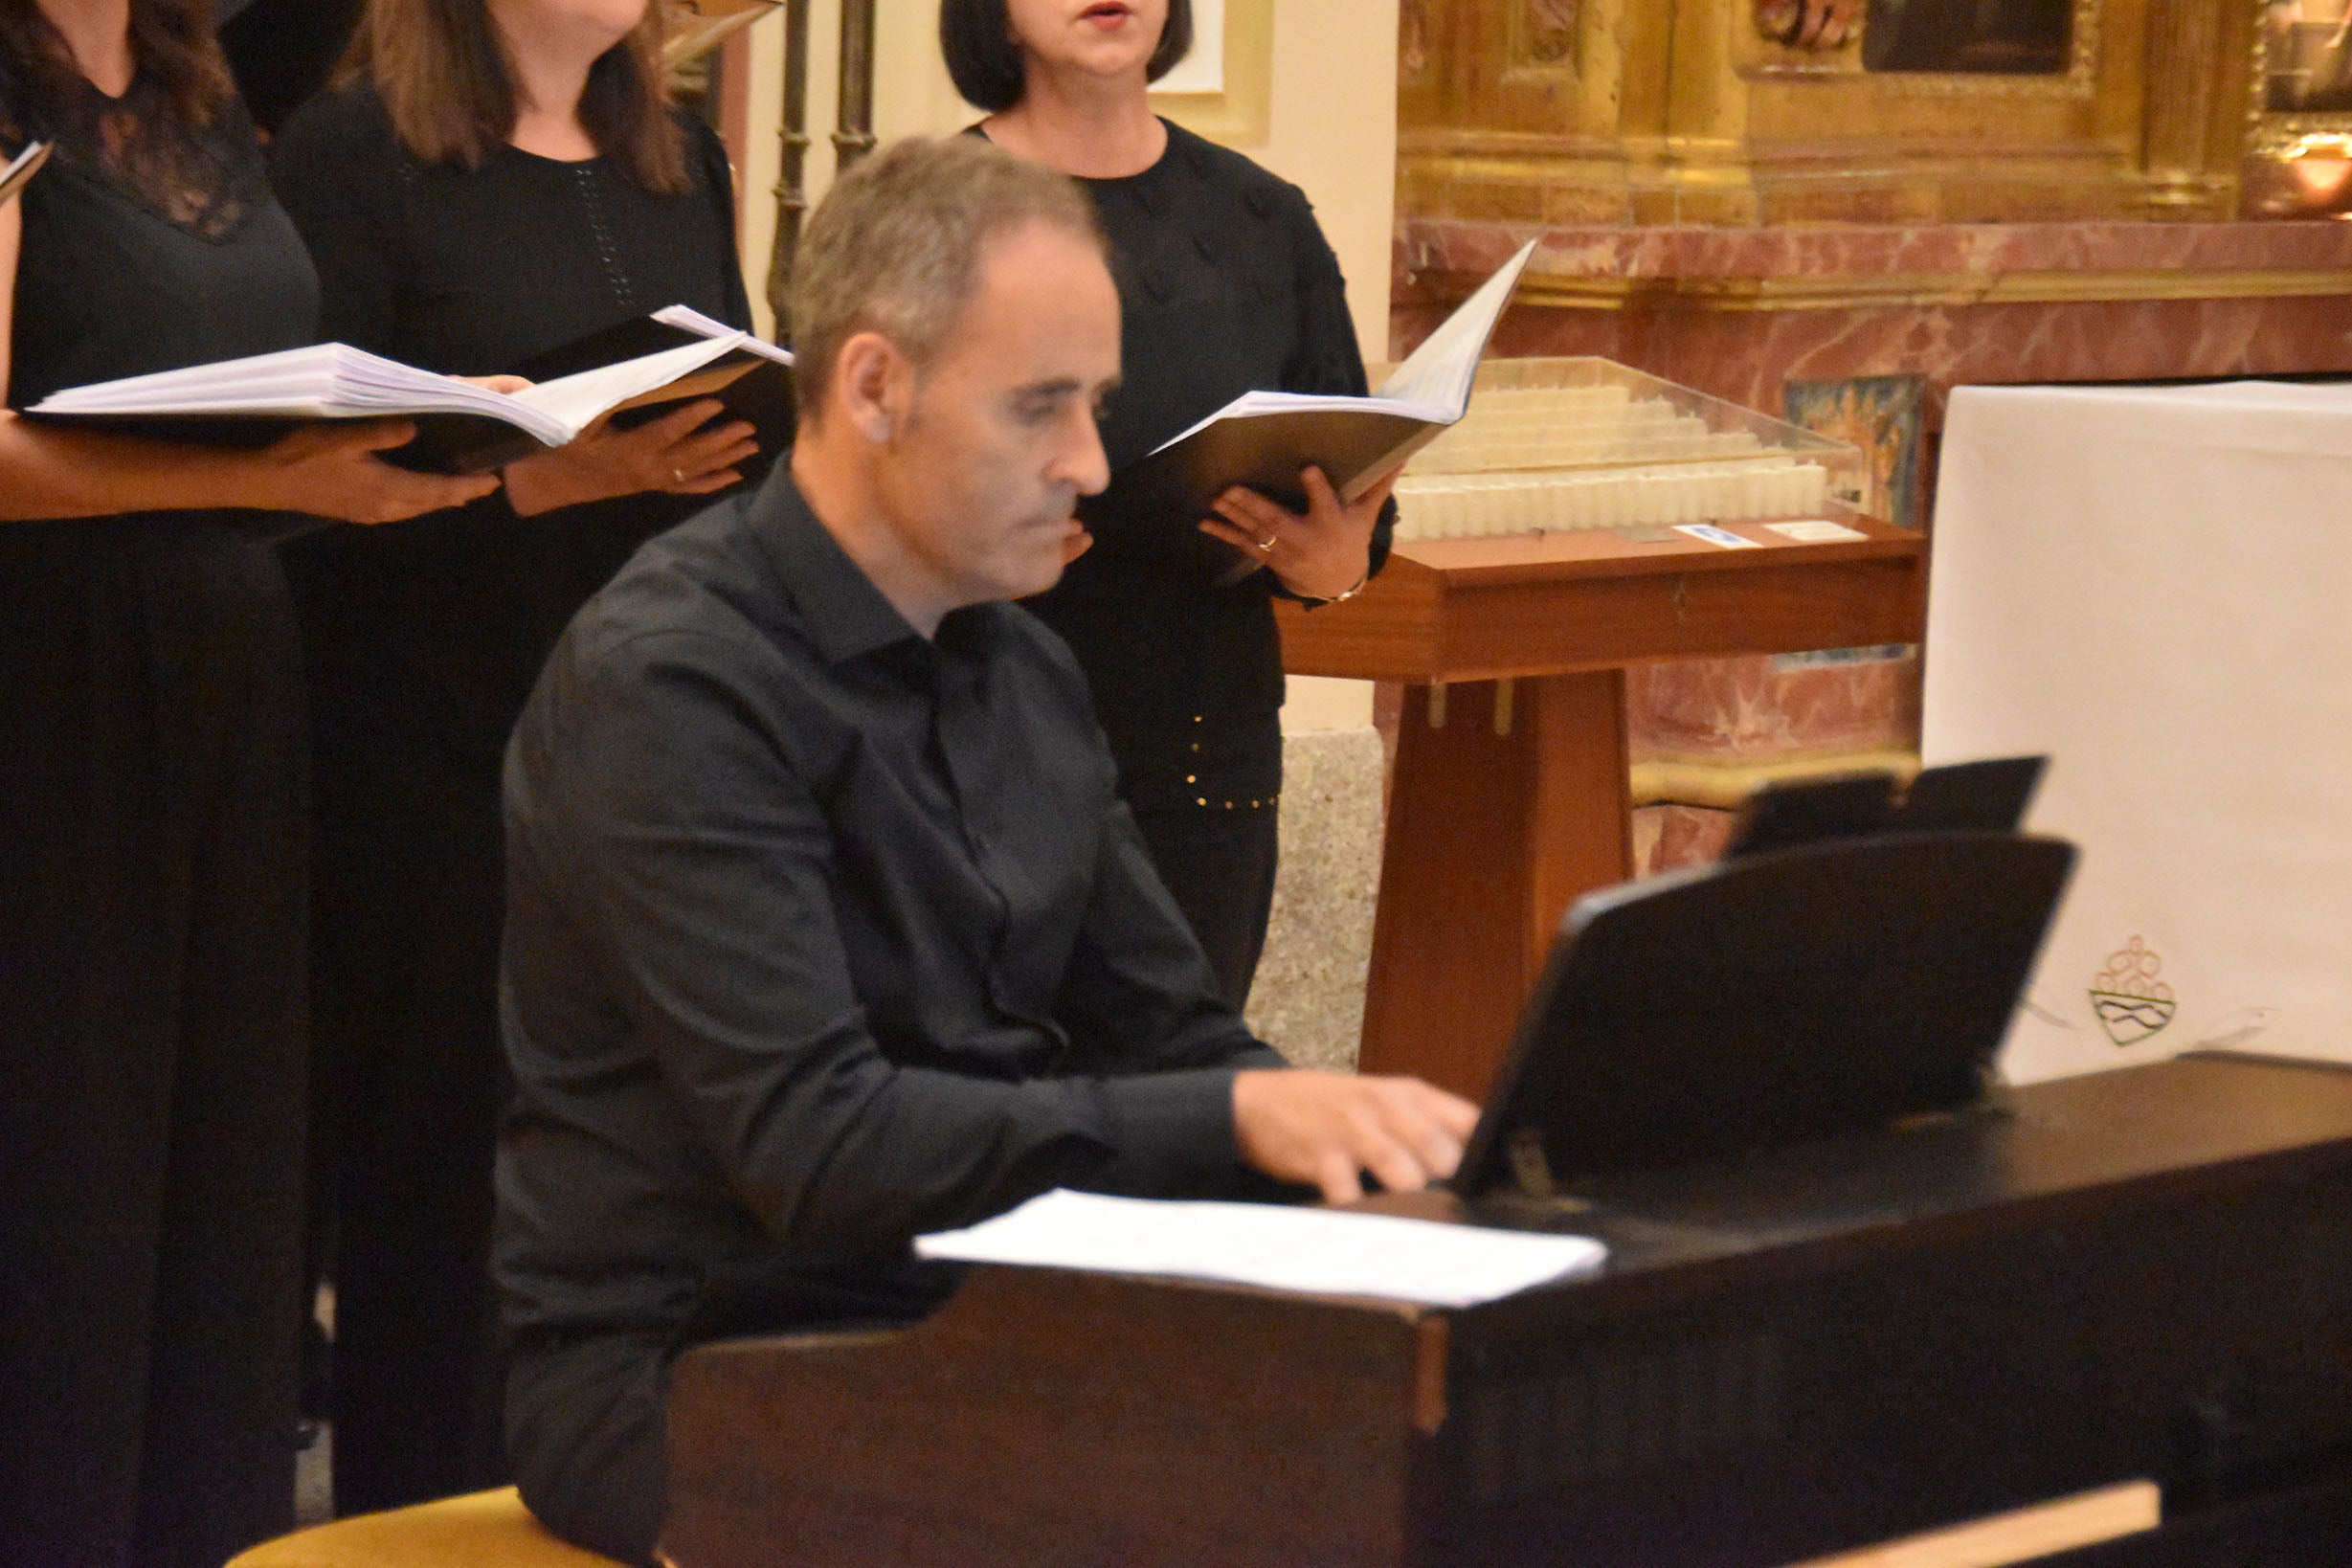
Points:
x=821 y=936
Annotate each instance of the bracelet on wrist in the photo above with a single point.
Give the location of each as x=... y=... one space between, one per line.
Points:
x=1314 y=602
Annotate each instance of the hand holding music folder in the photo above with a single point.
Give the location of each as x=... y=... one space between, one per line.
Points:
x=22 y=167
x=461 y=427
x=1262 y=439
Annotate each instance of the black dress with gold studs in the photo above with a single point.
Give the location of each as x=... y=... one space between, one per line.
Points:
x=1226 y=285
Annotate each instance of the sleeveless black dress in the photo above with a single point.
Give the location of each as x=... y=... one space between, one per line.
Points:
x=152 y=861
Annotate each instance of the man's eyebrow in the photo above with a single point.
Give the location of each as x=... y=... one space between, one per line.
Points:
x=1062 y=387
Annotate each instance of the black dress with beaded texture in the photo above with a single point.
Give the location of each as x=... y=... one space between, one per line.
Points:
x=1226 y=285
x=151 y=850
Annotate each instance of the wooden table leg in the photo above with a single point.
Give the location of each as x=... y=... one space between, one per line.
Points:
x=1508 y=801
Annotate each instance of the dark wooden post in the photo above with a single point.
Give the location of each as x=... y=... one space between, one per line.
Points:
x=792 y=192
x=855 y=138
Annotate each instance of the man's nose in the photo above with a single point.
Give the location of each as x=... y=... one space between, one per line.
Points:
x=1080 y=461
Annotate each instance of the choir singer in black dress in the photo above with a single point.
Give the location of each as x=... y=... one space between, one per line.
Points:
x=151 y=845
x=494 y=179
x=1226 y=285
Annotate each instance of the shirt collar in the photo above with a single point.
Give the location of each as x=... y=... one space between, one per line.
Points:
x=845 y=615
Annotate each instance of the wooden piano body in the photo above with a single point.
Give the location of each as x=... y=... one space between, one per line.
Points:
x=2146 y=1273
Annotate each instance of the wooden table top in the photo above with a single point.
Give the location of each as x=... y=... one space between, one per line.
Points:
x=1582 y=599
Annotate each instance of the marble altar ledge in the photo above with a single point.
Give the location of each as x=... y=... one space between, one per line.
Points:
x=1833 y=264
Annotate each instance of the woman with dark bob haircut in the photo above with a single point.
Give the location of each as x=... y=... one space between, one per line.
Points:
x=987 y=64
x=1226 y=285
x=492 y=180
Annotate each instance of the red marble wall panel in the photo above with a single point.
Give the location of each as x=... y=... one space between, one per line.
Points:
x=1748 y=356
x=1668 y=837
x=1743 y=710
x=1686 y=332
x=1984 y=252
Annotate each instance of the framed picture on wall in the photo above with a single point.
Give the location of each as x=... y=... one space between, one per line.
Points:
x=2300 y=137
x=2306 y=57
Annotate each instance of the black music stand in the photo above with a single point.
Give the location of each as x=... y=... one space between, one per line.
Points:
x=1787 y=994
x=1990 y=795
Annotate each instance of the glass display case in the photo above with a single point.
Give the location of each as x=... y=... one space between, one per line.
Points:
x=1554 y=445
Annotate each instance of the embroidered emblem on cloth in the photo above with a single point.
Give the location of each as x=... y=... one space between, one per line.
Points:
x=2131 y=1002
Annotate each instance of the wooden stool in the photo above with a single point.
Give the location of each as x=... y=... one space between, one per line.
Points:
x=480 y=1529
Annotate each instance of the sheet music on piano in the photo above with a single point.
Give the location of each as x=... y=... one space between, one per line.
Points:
x=1325 y=1251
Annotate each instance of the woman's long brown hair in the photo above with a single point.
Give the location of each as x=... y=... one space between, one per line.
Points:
x=172 y=44
x=438 y=67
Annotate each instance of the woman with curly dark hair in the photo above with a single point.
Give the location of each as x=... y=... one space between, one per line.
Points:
x=1226 y=285
x=493 y=179
x=151 y=953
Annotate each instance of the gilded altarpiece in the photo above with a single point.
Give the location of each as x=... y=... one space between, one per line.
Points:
x=1702 y=111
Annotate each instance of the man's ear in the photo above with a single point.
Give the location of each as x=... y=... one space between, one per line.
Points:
x=873 y=379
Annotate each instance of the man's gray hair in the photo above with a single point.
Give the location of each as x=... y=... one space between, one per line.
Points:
x=895 y=246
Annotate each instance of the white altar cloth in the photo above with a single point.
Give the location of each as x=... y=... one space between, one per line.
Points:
x=2155 y=587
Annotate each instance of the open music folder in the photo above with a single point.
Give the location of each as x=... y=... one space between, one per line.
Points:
x=1261 y=439
x=21 y=169
x=675 y=354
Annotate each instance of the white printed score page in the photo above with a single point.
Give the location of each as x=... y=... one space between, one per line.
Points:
x=1325 y=1251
